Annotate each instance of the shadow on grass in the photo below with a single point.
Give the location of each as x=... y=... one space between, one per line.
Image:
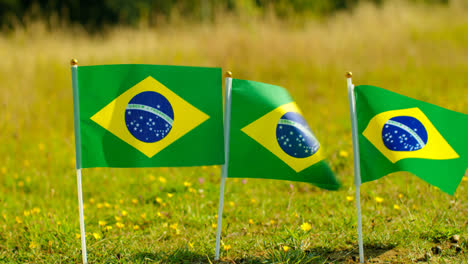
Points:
x=371 y=251
x=182 y=255
x=311 y=255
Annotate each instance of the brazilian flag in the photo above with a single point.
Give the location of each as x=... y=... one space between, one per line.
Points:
x=148 y=116
x=269 y=138
x=398 y=133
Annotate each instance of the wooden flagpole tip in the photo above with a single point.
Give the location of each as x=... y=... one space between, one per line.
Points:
x=228 y=74
x=349 y=74
x=74 y=62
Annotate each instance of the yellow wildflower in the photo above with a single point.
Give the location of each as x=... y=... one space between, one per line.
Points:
x=286 y=248
x=253 y=200
x=102 y=223
x=28 y=179
x=213 y=225
x=162 y=179
x=396 y=207
x=119 y=225
x=121 y=201
x=192 y=190
x=379 y=199
x=343 y=154
x=134 y=201
x=60 y=223
x=174 y=227
x=272 y=222
x=41 y=146
x=97 y=236
x=306 y=227
x=158 y=200
x=20 y=184
x=159 y=214
x=465 y=178
x=4 y=216
x=227 y=247
x=107 y=205
x=35 y=210
x=32 y=245
x=136 y=227
x=4 y=170
x=349 y=198
x=190 y=245
x=251 y=222
x=19 y=220
x=26 y=213
x=143 y=215
x=400 y=195
x=92 y=201
x=108 y=228
x=232 y=204
x=77 y=236
x=151 y=177
x=100 y=205
x=118 y=218
x=124 y=213
x=169 y=195
x=187 y=184
x=164 y=224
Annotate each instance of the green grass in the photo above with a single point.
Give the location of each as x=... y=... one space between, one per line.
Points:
x=418 y=51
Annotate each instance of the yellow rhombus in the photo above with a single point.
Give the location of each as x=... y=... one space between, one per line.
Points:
x=436 y=147
x=263 y=130
x=186 y=117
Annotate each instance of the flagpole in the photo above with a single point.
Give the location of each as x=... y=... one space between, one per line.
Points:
x=74 y=71
x=357 y=166
x=82 y=224
x=224 y=167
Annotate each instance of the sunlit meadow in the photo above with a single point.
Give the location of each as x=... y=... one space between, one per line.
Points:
x=169 y=215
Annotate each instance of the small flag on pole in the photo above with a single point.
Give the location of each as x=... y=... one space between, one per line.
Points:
x=267 y=137
x=271 y=139
x=398 y=133
x=149 y=116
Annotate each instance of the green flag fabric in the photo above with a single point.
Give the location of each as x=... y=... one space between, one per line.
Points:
x=148 y=116
x=398 y=133
x=270 y=139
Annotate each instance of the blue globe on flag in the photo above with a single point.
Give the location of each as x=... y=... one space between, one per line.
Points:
x=404 y=133
x=149 y=116
x=295 y=137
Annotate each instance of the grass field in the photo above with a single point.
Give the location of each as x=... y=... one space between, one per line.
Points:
x=168 y=215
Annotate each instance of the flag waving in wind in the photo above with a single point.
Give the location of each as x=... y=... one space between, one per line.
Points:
x=398 y=133
x=269 y=138
x=149 y=116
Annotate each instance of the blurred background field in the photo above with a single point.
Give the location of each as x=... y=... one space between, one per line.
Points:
x=168 y=215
